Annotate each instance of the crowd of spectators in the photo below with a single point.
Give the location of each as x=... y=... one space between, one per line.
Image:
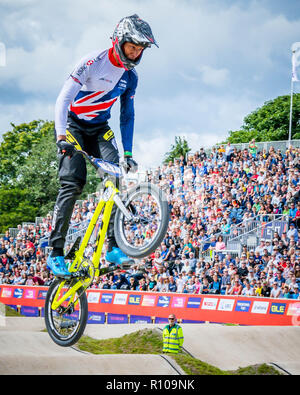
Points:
x=210 y=196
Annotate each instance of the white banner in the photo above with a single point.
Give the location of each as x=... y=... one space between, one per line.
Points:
x=295 y=61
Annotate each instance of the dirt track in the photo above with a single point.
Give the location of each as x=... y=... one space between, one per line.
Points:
x=25 y=349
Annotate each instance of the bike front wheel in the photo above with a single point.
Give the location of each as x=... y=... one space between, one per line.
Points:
x=143 y=233
x=66 y=323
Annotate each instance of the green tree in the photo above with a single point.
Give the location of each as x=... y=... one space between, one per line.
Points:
x=17 y=145
x=270 y=122
x=29 y=173
x=39 y=174
x=15 y=208
x=180 y=147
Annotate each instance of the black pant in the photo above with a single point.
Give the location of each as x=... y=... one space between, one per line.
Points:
x=97 y=141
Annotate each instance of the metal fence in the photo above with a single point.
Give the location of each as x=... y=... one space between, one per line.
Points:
x=266 y=145
x=282 y=145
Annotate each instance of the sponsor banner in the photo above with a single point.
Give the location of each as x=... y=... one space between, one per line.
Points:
x=163 y=301
x=140 y=319
x=29 y=311
x=117 y=318
x=30 y=293
x=18 y=293
x=72 y=316
x=277 y=308
x=243 y=305
x=178 y=301
x=193 y=303
x=93 y=297
x=226 y=304
x=192 y=322
x=124 y=303
x=260 y=307
x=96 y=318
x=107 y=297
x=161 y=320
x=120 y=298
x=134 y=299
x=7 y=292
x=148 y=300
x=42 y=294
x=294 y=309
x=209 y=303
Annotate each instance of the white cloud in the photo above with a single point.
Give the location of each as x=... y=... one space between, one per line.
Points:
x=214 y=77
x=215 y=64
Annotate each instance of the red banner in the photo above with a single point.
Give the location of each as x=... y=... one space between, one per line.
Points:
x=188 y=307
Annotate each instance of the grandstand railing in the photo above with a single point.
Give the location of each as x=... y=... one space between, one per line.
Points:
x=250 y=237
x=265 y=230
x=282 y=145
x=209 y=255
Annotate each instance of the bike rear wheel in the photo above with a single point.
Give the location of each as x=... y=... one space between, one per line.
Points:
x=141 y=235
x=67 y=323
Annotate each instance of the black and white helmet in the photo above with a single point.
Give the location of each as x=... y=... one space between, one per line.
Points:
x=131 y=29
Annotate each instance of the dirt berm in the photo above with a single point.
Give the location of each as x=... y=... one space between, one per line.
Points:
x=25 y=349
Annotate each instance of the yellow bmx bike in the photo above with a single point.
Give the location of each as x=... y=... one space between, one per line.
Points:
x=141 y=222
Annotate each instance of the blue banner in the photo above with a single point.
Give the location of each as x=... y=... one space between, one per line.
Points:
x=96 y=318
x=161 y=320
x=117 y=318
x=140 y=319
x=29 y=311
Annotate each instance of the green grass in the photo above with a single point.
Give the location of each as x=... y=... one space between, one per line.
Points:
x=9 y=311
x=148 y=341
x=141 y=342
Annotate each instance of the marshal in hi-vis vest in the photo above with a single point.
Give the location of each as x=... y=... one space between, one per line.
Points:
x=172 y=339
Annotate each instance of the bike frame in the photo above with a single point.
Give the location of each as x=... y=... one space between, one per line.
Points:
x=110 y=197
x=104 y=205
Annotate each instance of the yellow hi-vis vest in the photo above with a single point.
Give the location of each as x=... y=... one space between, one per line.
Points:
x=172 y=339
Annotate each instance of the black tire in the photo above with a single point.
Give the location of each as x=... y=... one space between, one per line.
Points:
x=50 y=316
x=158 y=196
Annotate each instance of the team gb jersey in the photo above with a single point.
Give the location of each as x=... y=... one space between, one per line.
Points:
x=90 y=91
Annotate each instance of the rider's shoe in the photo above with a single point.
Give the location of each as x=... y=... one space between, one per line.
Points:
x=118 y=258
x=58 y=266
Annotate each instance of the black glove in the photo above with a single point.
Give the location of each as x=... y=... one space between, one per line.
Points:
x=65 y=148
x=130 y=164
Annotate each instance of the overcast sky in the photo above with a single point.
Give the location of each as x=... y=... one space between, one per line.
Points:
x=217 y=61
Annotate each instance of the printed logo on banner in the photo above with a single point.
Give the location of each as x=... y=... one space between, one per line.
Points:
x=209 y=303
x=30 y=311
x=96 y=318
x=178 y=301
x=117 y=318
x=120 y=298
x=243 y=305
x=138 y=319
x=294 y=309
x=277 y=308
x=106 y=298
x=42 y=294
x=260 y=307
x=30 y=294
x=149 y=300
x=134 y=299
x=7 y=292
x=163 y=301
x=193 y=302
x=93 y=297
x=18 y=293
x=226 y=304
